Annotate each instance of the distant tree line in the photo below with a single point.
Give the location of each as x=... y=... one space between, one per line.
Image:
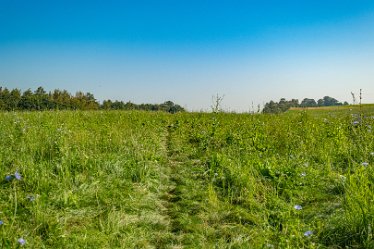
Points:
x=15 y=99
x=283 y=105
x=167 y=106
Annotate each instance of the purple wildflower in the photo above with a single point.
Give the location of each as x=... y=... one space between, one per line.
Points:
x=308 y=233
x=365 y=164
x=298 y=207
x=1 y=222
x=8 y=178
x=17 y=175
x=21 y=241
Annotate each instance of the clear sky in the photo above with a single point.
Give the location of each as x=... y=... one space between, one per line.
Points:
x=187 y=51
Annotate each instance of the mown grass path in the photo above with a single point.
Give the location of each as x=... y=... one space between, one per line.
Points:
x=176 y=174
x=196 y=220
x=183 y=198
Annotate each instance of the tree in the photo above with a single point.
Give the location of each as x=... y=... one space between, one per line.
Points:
x=130 y=106
x=27 y=101
x=107 y=104
x=271 y=107
x=14 y=99
x=41 y=99
x=328 y=101
x=170 y=107
x=281 y=106
x=91 y=103
x=4 y=99
x=308 y=103
x=284 y=105
x=320 y=102
x=62 y=100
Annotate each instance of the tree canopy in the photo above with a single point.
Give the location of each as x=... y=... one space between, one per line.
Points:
x=283 y=105
x=38 y=100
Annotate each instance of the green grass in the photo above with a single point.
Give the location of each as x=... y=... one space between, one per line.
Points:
x=367 y=108
x=111 y=179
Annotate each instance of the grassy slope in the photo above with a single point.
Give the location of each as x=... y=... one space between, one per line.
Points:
x=152 y=180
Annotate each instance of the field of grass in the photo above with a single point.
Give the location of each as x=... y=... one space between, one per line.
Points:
x=112 y=179
x=356 y=108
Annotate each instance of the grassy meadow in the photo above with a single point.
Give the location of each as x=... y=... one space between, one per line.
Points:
x=133 y=179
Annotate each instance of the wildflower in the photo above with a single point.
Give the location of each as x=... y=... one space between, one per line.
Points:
x=308 y=233
x=21 y=241
x=356 y=122
x=1 y=222
x=8 y=178
x=17 y=175
x=298 y=207
x=365 y=164
x=30 y=198
x=303 y=174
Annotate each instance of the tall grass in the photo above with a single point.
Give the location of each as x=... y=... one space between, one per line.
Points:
x=111 y=179
x=93 y=179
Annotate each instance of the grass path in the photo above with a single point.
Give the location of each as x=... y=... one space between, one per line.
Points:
x=183 y=195
x=196 y=220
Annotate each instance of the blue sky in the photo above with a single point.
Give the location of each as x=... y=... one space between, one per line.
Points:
x=188 y=51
